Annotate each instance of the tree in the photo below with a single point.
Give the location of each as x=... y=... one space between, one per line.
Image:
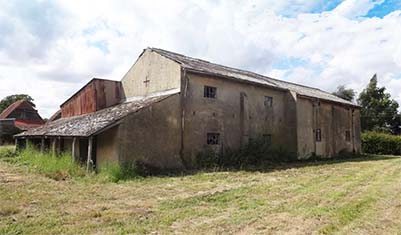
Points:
x=7 y=101
x=343 y=92
x=379 y=111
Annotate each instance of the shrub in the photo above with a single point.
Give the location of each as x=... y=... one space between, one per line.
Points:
x=256 y=153
x=208 y=158
x=380 y=143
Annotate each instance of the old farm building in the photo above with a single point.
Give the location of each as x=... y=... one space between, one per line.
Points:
x=18 y=117
x=169 y=107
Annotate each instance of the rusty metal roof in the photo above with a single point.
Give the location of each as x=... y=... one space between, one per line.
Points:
x=93 y=123
x=206 y=67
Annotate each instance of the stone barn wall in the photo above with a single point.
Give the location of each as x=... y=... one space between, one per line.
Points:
x=153 y=135
x=339 y=127
x=238 y=113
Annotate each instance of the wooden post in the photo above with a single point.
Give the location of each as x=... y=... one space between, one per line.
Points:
x=58 y=149
x=54 y=140
x=74 y=142
x=89 y=160
x=16 y=144
x=42 y=145
x=26 y=143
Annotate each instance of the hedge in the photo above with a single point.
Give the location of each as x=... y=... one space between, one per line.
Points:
x=380 y=143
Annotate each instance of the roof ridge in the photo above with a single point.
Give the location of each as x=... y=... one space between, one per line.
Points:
x=181 y=60
x=232 y=68
x=12 y=107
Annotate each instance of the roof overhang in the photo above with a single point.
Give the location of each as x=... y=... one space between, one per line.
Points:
x=329 y=101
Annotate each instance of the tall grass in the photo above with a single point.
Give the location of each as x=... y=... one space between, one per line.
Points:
x=256 y=153
x=116 y=172
x=7 y=151
x=62 y=166
x=58 y=167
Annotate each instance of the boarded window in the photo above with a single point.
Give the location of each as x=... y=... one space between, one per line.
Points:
x=268 y=101
x=213 y=138
x=210 y=92
x=318 y=134
x=347 y=136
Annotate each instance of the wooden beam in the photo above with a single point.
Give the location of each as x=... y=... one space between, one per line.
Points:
x=89 y=160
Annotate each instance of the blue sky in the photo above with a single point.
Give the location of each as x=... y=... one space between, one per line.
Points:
x=50 y=48
x=385 y=8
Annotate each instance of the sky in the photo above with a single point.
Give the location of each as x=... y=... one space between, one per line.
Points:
x=50 y=49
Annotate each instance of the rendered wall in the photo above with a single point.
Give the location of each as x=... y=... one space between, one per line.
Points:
x=153 y=135
x=107 y=147
x=333 y=120
x=151 y=73
x=235 y=122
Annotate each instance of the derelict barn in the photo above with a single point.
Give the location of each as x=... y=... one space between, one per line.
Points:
x=16 y=118
x=169 y=107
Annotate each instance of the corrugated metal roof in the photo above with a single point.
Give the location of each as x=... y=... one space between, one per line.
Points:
x=203 y=66
x=93 y=123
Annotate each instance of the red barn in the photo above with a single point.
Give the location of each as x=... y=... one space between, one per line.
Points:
x=19 y=116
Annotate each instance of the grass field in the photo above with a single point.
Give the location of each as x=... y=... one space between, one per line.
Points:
x=362 y=196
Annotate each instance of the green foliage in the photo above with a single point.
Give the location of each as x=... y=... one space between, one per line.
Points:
x=379 y=111
x=7 y=101
x=7 y=151
x=208 y=158
x=256 y=153
x=115 y=172
x=62 y=167
x=343 y=92
x=56 y=167
x=381 y=143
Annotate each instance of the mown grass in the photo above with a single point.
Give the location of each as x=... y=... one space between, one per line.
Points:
x=360 y=196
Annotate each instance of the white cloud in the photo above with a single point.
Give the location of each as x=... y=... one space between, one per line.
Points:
x=77 y=40
x=355 y=8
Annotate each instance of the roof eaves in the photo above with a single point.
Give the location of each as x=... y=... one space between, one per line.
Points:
x=346 y=103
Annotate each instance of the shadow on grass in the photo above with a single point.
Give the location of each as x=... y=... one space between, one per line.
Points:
x=280 y=166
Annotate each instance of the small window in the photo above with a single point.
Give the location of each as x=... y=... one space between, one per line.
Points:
x=318 y=134
x=210 y=92
x=213 y=138
x=347 y=136
x=268 y=101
